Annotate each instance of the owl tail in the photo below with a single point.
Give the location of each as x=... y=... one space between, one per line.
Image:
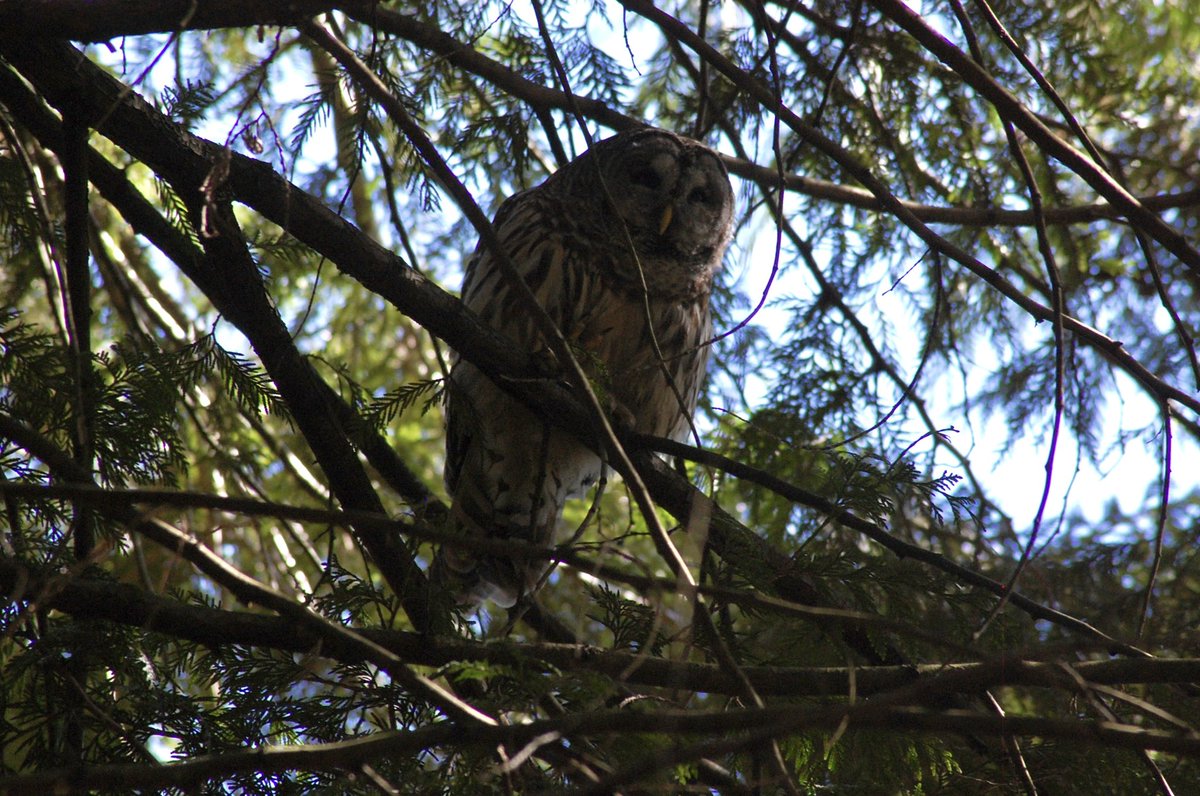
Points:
x=473 y=577
x=463 y=576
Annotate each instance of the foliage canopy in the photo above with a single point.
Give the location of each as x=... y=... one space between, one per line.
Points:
x=231 y=232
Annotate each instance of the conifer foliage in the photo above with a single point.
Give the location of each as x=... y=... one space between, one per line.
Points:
x=935 y=530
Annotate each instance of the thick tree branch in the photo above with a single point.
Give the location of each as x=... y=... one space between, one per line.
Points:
x=101 y=20
x=127 y=605
x=894 y=719
x=731 y=730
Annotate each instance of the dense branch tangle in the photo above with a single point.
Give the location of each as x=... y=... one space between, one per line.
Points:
x=422 y=300
x=744 y=576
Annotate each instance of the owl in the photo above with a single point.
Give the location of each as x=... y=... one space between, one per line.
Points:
x=620 y=247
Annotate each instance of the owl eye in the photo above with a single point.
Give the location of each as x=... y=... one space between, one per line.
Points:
x=699 y=195
x=646 y=177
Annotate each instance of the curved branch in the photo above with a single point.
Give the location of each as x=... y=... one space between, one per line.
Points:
x=731 y=731
x=877 y=534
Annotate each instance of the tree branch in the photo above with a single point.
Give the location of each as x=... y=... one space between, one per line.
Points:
x=101 y=20
x=731 y=730
x=1010 y=108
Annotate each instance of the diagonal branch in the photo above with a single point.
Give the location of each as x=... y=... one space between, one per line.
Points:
x=598 y=423
x=877 y=534
x=1011 y=109
x=248 y=591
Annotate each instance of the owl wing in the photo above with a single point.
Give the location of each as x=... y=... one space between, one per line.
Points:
x=528 y=232
x=509 y=472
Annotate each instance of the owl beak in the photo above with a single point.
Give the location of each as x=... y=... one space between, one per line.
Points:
x=665 y=221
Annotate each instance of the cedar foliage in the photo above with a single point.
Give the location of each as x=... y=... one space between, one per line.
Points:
x=230 y=240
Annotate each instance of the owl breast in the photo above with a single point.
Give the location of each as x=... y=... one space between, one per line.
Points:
x=622 y=336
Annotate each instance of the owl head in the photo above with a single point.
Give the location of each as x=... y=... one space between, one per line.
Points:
x=665 y=208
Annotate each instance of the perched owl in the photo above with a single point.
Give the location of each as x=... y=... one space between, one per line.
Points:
x=620 y=247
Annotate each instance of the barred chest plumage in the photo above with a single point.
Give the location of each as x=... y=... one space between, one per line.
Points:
x=636 y=348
